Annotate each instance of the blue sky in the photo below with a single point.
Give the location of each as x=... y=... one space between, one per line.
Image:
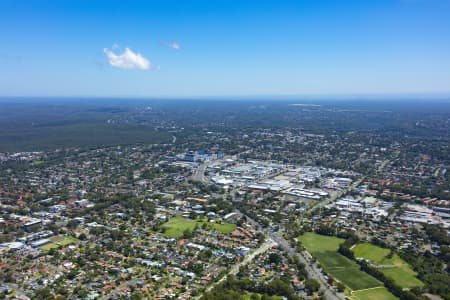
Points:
x=221 y=48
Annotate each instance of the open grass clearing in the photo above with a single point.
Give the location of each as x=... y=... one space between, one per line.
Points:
x=66 y=240
x=373 y=253
x=404 y=276
x=59 y=241
x=175 y=227
x=315 y=242
x=346 y=270
x=401 y=272
x=324 y=249
x=380 y=293
x=38 y=163
x=48 y=247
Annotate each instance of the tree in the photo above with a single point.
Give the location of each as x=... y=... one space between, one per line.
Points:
x=187 y=234
x=205 y=255
x=340 y=286
x=254 y=297
x=312 y=285
x=344 y=250
x=274 y=258
x=279 y=287
x=43 y=294
x=72 y=224
x=137 y=296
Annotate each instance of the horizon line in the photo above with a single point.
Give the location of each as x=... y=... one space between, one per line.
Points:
x=337 y=96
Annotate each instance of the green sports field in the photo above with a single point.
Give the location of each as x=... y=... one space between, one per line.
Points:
x=324 y=249
x=345 y=270
x=373 y=253
x=373 y=294
x=403 y=275
x=395 y=267
x=59 y=241
x=315 y=242
x=175 y=227
x=47 y=247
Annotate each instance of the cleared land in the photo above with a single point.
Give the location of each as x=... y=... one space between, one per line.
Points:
x=324 y=248
x=393 y=267
x=373 y=294
x=175 y=227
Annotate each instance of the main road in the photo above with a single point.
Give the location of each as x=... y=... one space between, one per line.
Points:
x=312 y=270
x=199 y=174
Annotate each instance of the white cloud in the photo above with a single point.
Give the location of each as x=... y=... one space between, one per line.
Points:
x=127 y=60
x=174 y=45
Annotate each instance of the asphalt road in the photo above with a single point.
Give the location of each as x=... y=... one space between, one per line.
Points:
x=199 y=174
x=336 y=195
x=311 y=269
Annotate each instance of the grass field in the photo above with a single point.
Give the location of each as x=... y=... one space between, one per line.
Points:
x=177 y=225
x=345 y=270
x=373 y=253
x=404 y=276
x=38 y=163
x=315 y=242
x=324 y=249
x=400 y=271
x=66 y=240
x=49 y=246
x=59 y=241
x=373 y=294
